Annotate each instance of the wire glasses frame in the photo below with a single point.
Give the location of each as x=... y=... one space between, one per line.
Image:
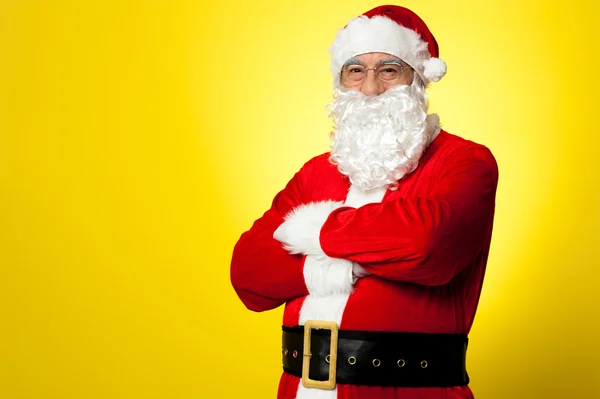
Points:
x=387 y=72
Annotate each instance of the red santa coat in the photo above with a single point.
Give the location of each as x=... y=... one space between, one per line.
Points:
x=425 y=244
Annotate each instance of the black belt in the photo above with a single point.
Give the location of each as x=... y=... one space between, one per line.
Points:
x=377 y=358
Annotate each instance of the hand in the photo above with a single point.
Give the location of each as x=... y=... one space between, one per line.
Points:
x=358 y=272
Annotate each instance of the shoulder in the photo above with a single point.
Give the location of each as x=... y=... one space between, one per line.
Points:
x=318 y=162
x=316 y=166
x=453 y=147
x=320 y=171
x=321 y=158
x=453 y=151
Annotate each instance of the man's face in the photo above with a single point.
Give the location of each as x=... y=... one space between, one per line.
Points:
x=374 y=73
x=380 y=121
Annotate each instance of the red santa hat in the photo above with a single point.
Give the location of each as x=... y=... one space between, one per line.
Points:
x=389 y=29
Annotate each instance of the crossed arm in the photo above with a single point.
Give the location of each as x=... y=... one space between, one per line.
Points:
x=263 y=274
x=424 y=240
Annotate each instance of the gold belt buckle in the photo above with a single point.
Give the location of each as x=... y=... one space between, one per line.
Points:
x=326 y=325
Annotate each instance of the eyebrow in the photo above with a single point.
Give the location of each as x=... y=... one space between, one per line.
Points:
x=353 y=61
x=390 y=61
x=386 y=61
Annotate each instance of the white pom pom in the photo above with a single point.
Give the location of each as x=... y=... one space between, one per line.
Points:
x=434 y=69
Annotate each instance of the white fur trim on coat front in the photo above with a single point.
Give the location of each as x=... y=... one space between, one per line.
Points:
x=381 y=34
x=357 y=197
x=433 y=127
x=331 y=275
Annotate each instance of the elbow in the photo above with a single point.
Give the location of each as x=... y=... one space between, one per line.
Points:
x=237 y=275
x=432 y=273
x=439 y=277
x=244 y=284
x=251 y=300
x=433 y=264
x=239 y=281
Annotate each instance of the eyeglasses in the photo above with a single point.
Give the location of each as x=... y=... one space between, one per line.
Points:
x=385 y=72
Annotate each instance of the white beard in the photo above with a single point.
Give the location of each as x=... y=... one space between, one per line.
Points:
x=377 y=140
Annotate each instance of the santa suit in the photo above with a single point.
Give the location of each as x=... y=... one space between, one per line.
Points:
x=425 y=246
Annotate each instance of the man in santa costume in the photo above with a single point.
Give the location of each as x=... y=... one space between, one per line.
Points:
x=378 y=248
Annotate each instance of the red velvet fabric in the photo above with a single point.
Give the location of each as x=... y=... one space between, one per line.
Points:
x=426 y=244
x=407 y=18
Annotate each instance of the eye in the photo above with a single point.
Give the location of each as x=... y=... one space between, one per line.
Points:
x=353 y=73
x=354 y=69
x=389 y=72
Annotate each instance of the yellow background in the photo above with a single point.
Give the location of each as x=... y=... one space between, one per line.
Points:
x=139 y=139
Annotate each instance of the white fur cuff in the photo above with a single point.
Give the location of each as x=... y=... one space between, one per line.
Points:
x=327 y=276
x=300 y=231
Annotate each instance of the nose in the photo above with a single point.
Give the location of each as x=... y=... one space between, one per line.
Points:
x=371 y=85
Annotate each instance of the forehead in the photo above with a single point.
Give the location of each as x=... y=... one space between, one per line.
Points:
x=373 y=58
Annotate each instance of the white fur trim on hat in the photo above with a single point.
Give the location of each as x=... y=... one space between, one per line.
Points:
x=434 y=69
x=383 y=35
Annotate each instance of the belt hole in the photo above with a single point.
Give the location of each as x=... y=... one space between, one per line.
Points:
x=295 y=354
x=376 y=362
x=327 y=358
x=424 y=364
x=352 y=360
x=401 y=363
x=285 y=351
